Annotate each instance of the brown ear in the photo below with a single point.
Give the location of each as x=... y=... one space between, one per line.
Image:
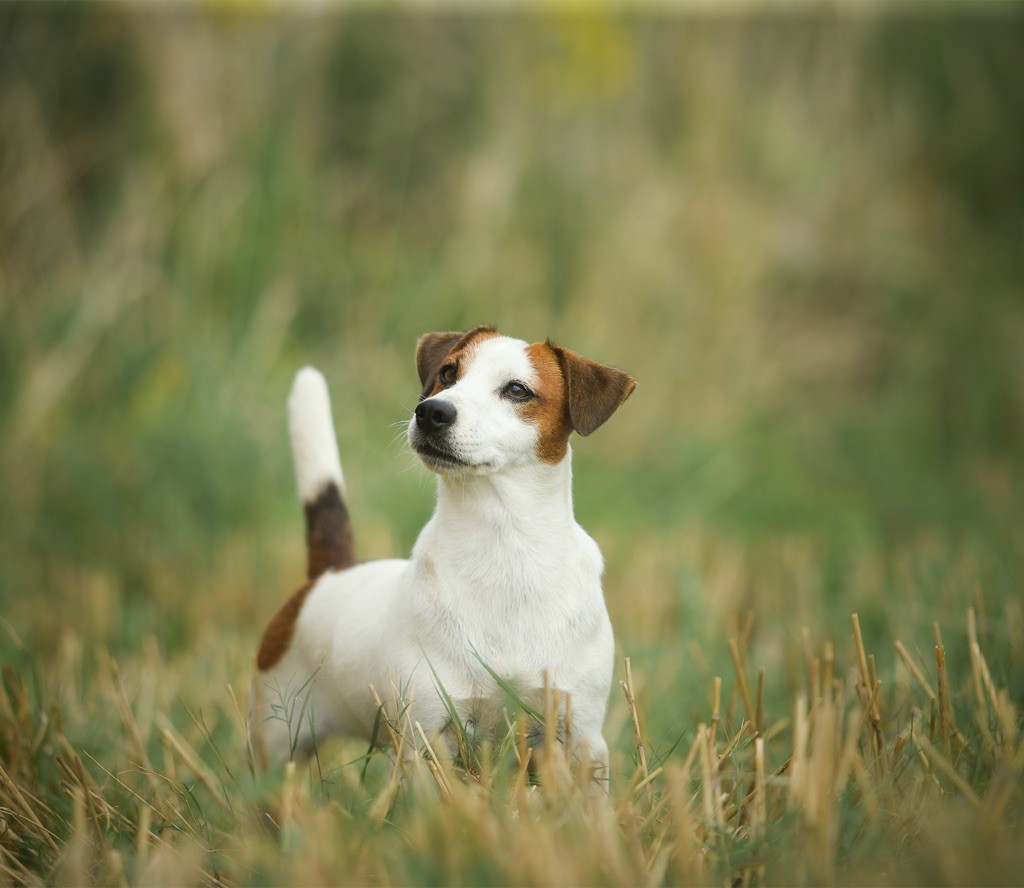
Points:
x=431 y=350
x=593 y=391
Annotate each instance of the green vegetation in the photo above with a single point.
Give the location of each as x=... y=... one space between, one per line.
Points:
x=800 y=231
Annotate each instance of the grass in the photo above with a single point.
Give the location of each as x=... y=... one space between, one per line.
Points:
x=853 y=784
x=801 y=233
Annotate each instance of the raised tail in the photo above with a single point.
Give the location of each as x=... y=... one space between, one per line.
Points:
x=318 y=474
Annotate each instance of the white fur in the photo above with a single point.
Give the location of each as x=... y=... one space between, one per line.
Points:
x=314 y=447
x=501 y=573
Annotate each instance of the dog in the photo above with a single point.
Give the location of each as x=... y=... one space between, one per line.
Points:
x=502 y=582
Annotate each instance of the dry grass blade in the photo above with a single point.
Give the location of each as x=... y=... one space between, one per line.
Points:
x=759 y=814
x=243 y=725
x=525 y=755
x=650 y=778
x=908 y=661
x=946 y=721
x=686 y=851
x=74 y=864
x=382 y=805
x=716 y=710
x=986 y=677
x=182 y=821
x=943 y=764
x=256 y=740
x=745 y=634
x=731 y=746
x=143 y=835
x=641 y=752
x=816 y=670
x=862 y=661
x=800 y=734
x=81 y=785
x=395 y=741
x=869 y=690
x=759 y=714
x=849 y=759
x=712 y=784
x=741 y=678
x=22 y=802
x=809 y=664
x=434 y=764
x=191 y=759
x=128 y=718
x=16 y=871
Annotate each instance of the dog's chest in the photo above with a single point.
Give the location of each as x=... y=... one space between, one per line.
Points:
x=518 y=615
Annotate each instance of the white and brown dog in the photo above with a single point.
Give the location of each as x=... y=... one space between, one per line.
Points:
x=501 y=575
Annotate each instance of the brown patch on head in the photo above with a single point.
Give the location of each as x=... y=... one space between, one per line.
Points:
x=277 y=637
x=549 y=410
x=433 y=350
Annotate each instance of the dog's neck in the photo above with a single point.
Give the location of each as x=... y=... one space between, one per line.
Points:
x=531 y=503
x=501 y=541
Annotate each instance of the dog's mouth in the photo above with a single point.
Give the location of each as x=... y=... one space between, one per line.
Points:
x=437 y=457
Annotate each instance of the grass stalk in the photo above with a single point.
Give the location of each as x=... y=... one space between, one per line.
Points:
x=741 y=680
x=638 y=741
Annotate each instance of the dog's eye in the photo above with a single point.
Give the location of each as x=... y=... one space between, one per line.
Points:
x=446 y=376
x=516 y=391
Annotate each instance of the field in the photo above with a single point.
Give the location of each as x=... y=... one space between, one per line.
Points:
x=800 y=228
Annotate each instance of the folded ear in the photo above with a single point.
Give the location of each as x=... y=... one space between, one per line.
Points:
x=593 y=391
x=431 y=350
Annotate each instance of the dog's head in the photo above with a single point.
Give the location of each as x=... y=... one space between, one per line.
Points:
x=489 y=401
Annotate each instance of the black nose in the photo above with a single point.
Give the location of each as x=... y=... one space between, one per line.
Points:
x=434 y=414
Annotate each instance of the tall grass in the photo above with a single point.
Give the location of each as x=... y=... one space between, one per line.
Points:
x=800 y=232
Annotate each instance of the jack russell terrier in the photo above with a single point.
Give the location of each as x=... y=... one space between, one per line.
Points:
x=502 y=580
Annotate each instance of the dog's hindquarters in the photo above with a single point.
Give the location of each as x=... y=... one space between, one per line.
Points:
x=321 y=484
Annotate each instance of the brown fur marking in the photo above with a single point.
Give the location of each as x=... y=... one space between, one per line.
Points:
x=329 y=546
x=548 y=410
x=594 y=392
x=278 y=635
x=437 y=349
x=329 y=543
x=431 y=350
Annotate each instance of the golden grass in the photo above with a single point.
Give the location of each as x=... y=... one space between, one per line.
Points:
x=768 y=803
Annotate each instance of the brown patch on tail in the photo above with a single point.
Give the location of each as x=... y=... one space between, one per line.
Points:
x=329 y=544
x=278 y=635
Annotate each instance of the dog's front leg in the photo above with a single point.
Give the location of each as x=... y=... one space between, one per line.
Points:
x=590 y=752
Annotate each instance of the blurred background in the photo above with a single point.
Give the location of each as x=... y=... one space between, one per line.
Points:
x=800 y=228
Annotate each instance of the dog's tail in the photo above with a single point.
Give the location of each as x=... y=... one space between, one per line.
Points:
x=318 y=474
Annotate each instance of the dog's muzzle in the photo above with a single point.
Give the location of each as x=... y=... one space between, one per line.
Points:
x=434 y=419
